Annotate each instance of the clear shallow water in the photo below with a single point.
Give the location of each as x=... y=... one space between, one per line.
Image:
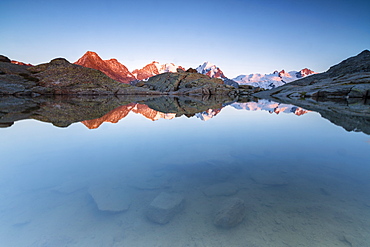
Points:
x=304 y=181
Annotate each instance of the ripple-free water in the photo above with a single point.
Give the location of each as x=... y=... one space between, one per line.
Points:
x=304 y=181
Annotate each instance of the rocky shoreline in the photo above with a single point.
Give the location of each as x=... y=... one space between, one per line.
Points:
x=348 y=79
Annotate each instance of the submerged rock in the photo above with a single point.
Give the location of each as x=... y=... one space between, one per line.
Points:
x=111 y=199
x=230 y=214
x=164 y=207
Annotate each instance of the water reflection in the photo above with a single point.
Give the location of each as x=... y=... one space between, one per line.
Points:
x=93 y=112
x=252 y=176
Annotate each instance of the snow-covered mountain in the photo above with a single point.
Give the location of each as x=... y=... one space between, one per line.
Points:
x=154 y=68
x=119 y=72
x=213 y=71
x=270 y=81
x=270 y=106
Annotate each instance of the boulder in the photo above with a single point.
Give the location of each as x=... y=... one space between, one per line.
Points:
x=164 y=207
x=230 y=214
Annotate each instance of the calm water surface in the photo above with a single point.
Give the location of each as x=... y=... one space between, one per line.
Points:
x=304 y=181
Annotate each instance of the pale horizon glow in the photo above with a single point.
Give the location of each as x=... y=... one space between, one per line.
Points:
x=240 y=37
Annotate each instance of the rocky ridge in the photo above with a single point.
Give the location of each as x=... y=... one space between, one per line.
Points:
x=348 y=79
x=340 y=94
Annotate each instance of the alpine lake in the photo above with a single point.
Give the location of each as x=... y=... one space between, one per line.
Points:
x=187 y=172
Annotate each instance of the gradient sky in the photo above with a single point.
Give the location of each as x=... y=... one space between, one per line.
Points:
x=241 y=37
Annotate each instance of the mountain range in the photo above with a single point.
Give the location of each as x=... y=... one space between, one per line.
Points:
x=273 y=80
x=119 y=72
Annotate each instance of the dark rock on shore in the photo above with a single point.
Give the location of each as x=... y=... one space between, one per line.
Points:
x=348 y=79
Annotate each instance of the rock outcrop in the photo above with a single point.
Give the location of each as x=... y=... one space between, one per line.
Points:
x=348 y=79
x=188 y=83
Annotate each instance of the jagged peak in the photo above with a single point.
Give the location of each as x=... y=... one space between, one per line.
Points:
x=364 y=52
x=112 y=60
x=206 y=65
x=91 y=53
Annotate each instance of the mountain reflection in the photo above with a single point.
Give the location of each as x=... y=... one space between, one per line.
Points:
x=123 y=111
x=94 y=111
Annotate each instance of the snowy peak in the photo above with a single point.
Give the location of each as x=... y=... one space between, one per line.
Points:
x=111 y=67
x=273 y=80
x=305 y=72
x=211 y=70
x=154 y=68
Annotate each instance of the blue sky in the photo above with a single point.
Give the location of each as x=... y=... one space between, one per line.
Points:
x=240 y=37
